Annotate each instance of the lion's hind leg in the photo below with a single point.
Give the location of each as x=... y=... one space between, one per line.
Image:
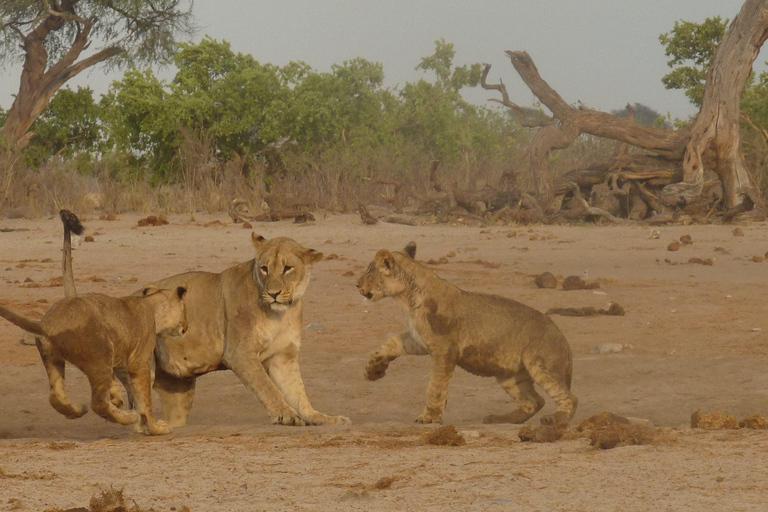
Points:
x=519 y=387
x=54 y=367
x=100 y=377
x=557 y=385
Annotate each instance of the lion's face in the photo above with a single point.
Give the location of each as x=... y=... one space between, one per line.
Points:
x=281 y=271
x=170 y=312
x=381 y=277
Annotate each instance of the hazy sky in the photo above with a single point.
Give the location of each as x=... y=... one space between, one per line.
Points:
x=604 y=53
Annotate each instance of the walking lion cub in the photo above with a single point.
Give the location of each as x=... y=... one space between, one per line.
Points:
x=100 y=334
x=486 y=335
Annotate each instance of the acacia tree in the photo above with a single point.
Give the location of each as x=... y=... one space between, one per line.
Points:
x=712 y=141
x=51 y=36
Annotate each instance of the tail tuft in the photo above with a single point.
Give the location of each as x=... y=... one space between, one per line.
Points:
x=71 y=222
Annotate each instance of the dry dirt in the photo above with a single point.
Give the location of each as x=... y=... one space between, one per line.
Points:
x=693 y=337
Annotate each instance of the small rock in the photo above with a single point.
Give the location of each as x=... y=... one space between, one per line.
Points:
x=88 y=238
x=573 y=283
x=674 y=246
x=332 y=256
x=546 y=280
x=757 y=259
x=615 y=310
x=315 y=327
x=655 y=234
x=705 y=261
x=607 y=348
x=738 y=232
x=686 y=240
x=28 y=280
x=247 y=225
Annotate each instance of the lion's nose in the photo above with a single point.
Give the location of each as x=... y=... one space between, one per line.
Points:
x=273 y=295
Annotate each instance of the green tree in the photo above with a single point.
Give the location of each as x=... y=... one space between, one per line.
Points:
x=691 y=47
x=69 y=126
x=50 y=38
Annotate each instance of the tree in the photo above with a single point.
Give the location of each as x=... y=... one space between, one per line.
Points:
x=51 y=36
x=711 y=142
x=68 y=127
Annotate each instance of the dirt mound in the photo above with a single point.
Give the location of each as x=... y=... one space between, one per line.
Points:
x=714 y=421
x=152 y=220
x=622 y=434
x=755 y=422
x=445 y=435
x=546 y=280
x=541 y=434
x=602 y=420
x=111 y=500
x=721 y=421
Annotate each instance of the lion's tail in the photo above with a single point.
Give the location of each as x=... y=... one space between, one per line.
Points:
x=28 y=325
x=71 y=225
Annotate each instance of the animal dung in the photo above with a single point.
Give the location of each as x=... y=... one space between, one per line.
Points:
x=546 y=280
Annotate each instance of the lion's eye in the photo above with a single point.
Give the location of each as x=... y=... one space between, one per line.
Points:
x=265 y=269
x=287 y=269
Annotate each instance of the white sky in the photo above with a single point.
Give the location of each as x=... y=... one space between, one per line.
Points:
x=605 y=53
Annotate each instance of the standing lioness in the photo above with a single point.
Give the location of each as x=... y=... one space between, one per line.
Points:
x=100 y=334
x=486 y=335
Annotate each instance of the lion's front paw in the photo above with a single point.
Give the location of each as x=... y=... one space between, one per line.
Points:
x=158 y=428
x=430 y=417
x=289 y=417
x=376 y=367
x=319 y=418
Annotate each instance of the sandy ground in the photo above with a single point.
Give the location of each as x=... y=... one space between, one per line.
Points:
x=694 y=337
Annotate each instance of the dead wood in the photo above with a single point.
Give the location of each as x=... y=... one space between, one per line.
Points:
x=400 y=220
x=365 y=216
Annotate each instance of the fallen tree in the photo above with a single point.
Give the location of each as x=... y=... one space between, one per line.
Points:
x=669 y=174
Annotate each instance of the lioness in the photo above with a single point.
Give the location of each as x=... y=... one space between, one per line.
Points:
x=486 y=335
x=100 y=334
x=247 y=319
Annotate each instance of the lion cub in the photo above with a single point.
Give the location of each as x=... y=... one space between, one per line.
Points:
x=486 y=335
x=100 y=334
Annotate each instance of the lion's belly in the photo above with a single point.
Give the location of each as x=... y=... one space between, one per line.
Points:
x=187 y=356
x=485 y=362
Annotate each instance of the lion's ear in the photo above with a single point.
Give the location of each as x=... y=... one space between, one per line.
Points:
x=410 y=250
x=385 y=261
x=258 y=241
x=312 y=256
x=149 y=290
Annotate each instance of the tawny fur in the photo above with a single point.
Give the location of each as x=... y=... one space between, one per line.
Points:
x=486 y=335
x=101 y=335
x=248 y=319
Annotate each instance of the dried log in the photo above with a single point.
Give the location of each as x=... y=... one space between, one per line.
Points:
x=302 y=214
x=365 y=216
x=400 y=220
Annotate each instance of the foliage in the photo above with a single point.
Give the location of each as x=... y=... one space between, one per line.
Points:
x=691 y=47
x=70 y=126
x=245 y=106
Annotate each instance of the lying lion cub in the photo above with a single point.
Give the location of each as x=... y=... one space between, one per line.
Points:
x=486 y=335
x=101 y=334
